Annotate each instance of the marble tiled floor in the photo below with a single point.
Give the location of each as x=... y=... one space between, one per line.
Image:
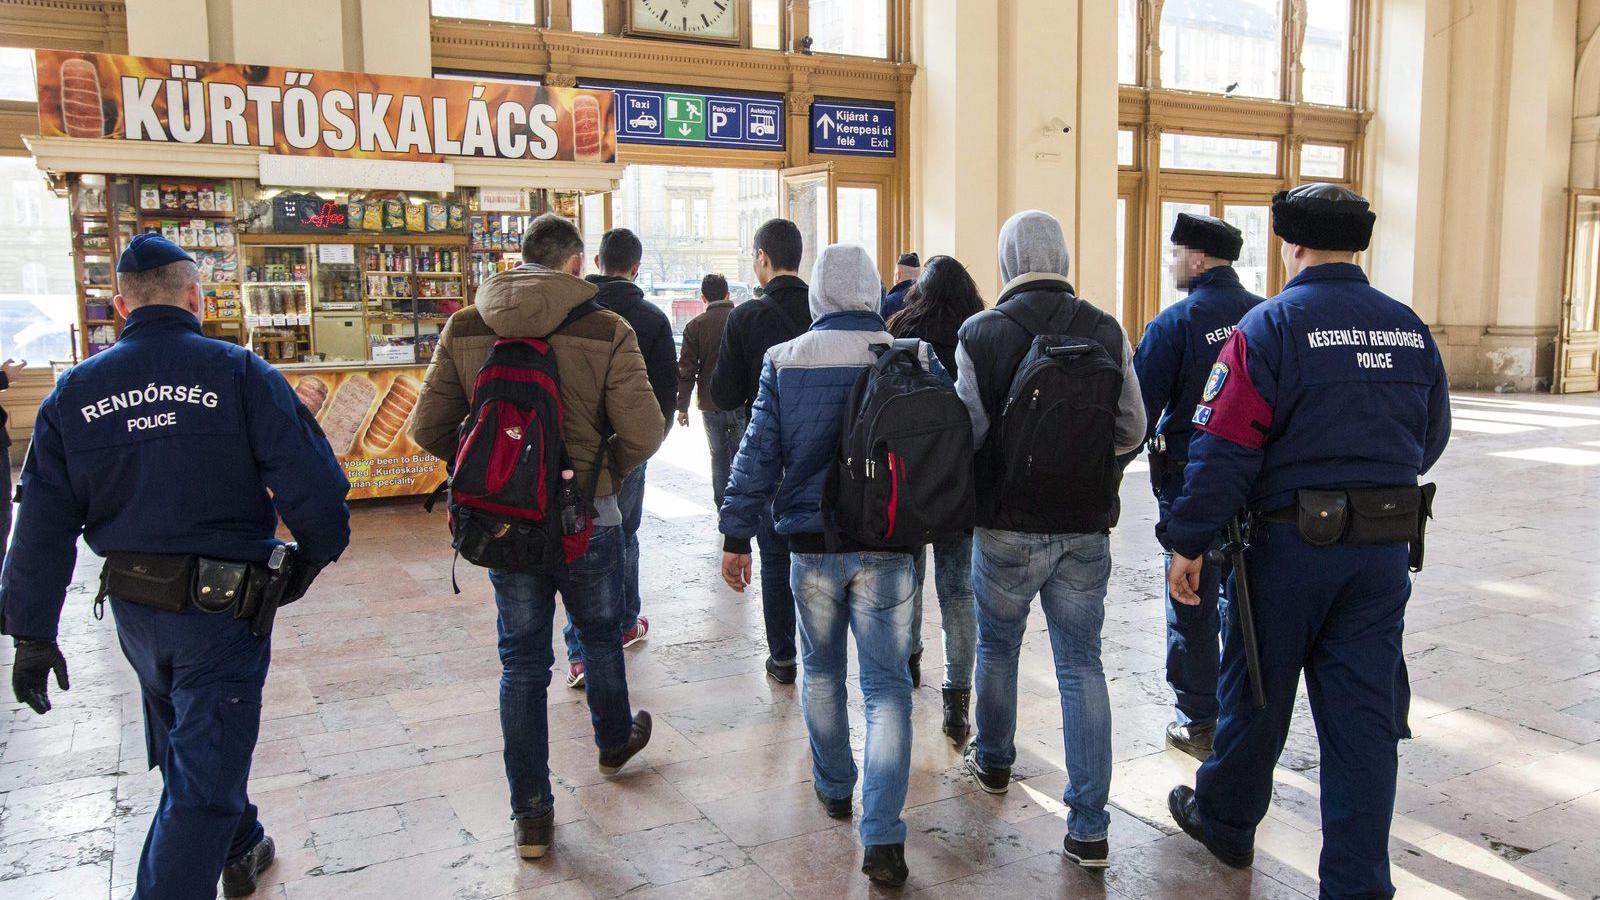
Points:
x=379 y=767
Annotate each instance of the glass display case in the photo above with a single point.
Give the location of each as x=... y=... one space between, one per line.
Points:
x=277 y=302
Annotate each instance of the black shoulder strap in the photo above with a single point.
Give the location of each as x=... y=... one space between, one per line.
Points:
x=1083 y=323
x=583 y=309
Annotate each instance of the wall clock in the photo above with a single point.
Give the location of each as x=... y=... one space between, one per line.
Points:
x=715 y=21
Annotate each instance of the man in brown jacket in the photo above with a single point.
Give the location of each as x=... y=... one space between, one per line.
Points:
x=702 y=340
x=606 y=395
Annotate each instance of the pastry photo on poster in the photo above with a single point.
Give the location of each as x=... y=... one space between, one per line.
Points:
x=367 y=418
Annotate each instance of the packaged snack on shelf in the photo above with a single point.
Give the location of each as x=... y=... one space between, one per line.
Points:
x=208 y=198
x=457 y=217
x=225 y=236
x=394 y=215
x=224 y=197
x=416 y=218
x=149 y=197
x=358 y=211
x=438 y=216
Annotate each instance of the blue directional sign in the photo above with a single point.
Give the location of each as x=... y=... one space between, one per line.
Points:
x=857 y=129
x=691 y=118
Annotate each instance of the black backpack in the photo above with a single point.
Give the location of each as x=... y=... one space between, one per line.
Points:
x=507 y=476
x=1057 y=430
x=902 y=475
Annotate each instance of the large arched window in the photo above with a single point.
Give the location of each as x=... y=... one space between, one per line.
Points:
x=1224 y=103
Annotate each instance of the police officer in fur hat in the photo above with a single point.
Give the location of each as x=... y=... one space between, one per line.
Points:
x=1324 y=408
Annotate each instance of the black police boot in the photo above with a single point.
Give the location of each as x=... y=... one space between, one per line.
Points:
x=991 y=779
x=956 y=703
x=1193 y=739
x=839 y=808
x=239 y=877
x=916 y=670
x=1185 y=811
x=885 y=864
x=612 y=761
x=534 y=835
x=1088 y=854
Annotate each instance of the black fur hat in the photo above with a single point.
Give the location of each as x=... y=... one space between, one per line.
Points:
x=1209 y=235
x=1323 y=217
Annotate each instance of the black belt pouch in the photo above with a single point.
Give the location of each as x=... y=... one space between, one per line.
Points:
x=158 y=580
x=1385 y=515
x=1322 y=516
x=219 y=585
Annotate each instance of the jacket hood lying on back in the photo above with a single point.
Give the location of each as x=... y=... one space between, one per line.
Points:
x=844 y=280
x=1032 y=242
x=530 y=301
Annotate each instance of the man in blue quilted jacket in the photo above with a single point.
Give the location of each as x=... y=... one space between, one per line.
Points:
x=787 y=452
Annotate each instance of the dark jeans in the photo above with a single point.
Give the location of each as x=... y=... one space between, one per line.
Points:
x=591 y=589
x=630 y=499
x=201 y=678
x=724 y=432
x=777 y=597
x=5 y=507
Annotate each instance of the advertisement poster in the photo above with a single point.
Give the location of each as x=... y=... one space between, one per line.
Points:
x=312 y=112
x=367 y=418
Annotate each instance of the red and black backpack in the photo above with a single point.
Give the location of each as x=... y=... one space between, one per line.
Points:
x=504 y=512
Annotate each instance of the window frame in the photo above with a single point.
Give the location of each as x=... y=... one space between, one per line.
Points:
x=540 y=19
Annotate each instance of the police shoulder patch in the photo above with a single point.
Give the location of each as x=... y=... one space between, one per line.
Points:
x=1202 y=415
x=1219 y=377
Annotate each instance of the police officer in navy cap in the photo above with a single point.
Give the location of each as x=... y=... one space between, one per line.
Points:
x=1174 y=359
x=1325 y=407
x=175 y=455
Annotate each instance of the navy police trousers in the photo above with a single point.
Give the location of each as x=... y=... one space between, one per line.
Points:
x=1194 y=639
x=201 y=676
x=1337 y=613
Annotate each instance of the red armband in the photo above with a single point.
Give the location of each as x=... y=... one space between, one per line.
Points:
x=1231 y=408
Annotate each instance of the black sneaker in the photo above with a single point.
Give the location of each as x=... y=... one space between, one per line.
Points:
x=534 y=834
x=782 y=673
x=239 y=877
x=611 y=761
x=1193 y=739
x=994 y=780
x=916 y=670
x=956 y=703
x=837 y=808
x=1186 y=812
x=885 y=864
x=1089 y=854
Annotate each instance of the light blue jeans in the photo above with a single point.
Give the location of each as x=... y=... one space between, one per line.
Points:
x=1068 y=572
x=869 y=594
x=958 y=611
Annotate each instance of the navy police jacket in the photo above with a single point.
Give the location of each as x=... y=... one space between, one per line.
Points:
x=1331 y=384
x=168 y=442
x=1179 y=348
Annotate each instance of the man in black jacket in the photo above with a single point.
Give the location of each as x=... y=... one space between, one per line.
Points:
x=1047 y=542
x=618 y=261
x=782 y=314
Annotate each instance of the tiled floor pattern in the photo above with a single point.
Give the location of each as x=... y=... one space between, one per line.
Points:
x=379 y=767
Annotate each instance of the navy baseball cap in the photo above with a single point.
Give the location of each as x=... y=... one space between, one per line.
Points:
x=150 y=251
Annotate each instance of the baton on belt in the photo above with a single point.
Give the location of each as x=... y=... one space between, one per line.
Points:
x=1234 y=550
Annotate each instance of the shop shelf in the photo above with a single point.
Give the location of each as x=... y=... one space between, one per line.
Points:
x=438 y=274
x=275 y=283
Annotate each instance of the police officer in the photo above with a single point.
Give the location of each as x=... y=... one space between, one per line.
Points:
x=1324 y=408
x=168 y=444
x=1173 y=361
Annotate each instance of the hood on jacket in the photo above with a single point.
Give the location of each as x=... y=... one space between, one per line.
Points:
x=616 y=294
x=1032 y=243
x=845 y=280
x=530 y=301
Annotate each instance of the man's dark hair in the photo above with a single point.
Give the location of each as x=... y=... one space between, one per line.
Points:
x=550 y=241
x=620 y=252
x=780 y=240
x=714 y=288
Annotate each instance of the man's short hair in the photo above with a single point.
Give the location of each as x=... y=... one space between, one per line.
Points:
x=164 y=284
x=780 y=240
x=620 y=252
x=714 y=288
x=550 y=241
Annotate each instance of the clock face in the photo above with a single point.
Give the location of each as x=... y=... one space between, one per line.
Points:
x=718 y=19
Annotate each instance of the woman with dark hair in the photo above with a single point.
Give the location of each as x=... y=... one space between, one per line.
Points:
x=942 y=299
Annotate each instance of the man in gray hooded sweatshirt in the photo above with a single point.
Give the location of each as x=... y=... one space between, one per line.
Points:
x=1034 y=539
x=787 y=452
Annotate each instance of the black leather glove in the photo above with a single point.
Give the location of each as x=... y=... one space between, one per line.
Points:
x=30 y=673
x=300 y=578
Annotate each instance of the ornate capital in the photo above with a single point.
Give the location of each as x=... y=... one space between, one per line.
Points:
x=560 y=79
x=800 y=101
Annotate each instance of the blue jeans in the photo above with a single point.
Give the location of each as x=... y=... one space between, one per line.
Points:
x=630 y=499
x=201 y=677
x=591 y=589
x=958 y=608
x=1068 y=572
x=869 y=594
x=777 y=597
x=724 y=432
